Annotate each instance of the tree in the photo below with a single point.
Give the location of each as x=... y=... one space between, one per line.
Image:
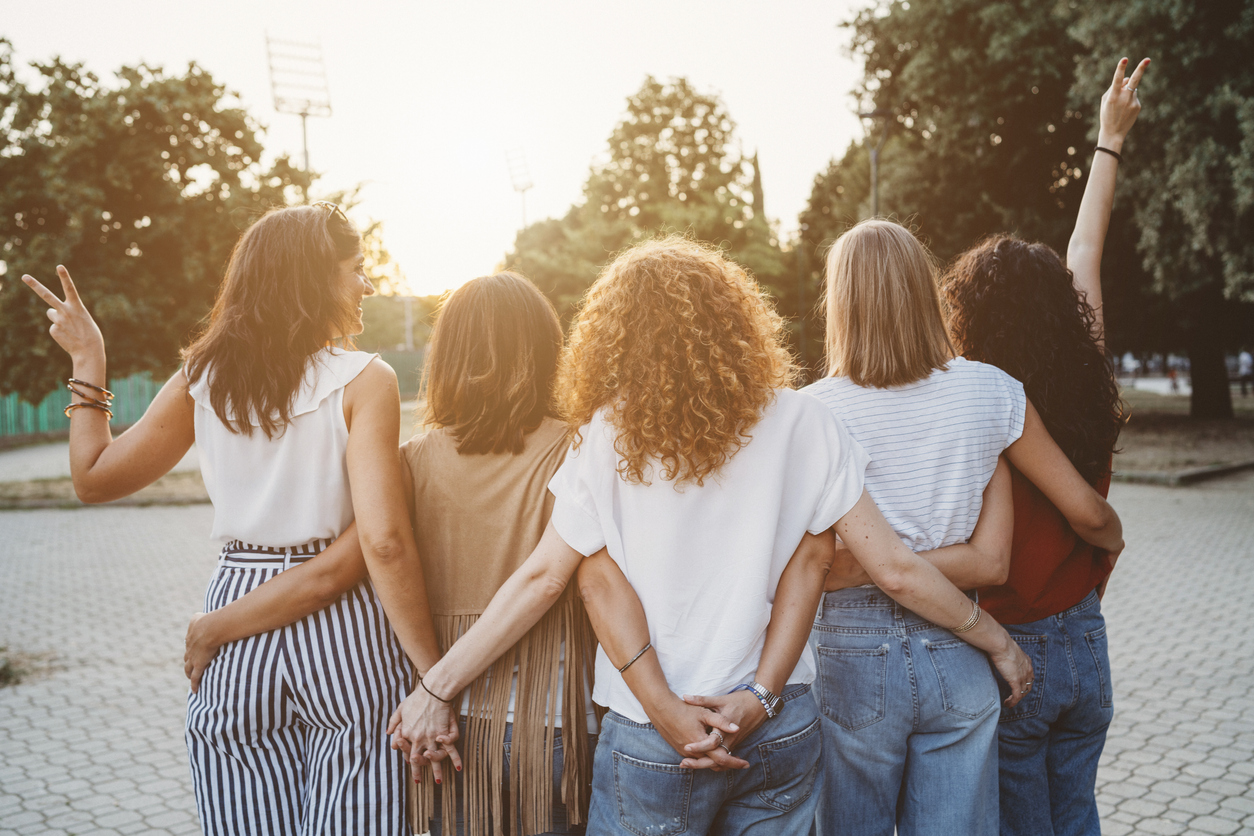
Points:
x=141 y=188
x=672 y=168
x=1189 y=164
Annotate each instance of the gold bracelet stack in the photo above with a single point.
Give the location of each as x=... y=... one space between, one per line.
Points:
x=970 y=622
x=88 y=401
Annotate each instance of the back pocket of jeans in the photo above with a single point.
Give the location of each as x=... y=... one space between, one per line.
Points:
x=652 y=797
x=1035 y=649
x=790 y=765
x=1101 y=658
x=851 y=684
x=967 y=686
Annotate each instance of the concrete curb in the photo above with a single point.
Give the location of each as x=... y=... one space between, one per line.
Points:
x=71 y=504
x=1179 y=478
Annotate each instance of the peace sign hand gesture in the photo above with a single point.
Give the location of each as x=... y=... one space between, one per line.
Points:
x=72 y=326
x=1120 y=105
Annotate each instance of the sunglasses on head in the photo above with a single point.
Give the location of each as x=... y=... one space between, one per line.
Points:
x=332 y=209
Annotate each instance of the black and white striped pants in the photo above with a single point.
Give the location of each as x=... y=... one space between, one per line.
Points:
x=287 y=734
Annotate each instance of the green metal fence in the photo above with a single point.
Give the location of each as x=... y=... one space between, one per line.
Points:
x=131 y=397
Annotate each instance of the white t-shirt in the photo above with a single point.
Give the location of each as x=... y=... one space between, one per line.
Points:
x=933 y=444
x=706 y=560
x=290 y=489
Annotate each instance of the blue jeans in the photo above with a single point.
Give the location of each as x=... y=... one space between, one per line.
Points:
x=909 y=722
x=560 y=825
x=1050 y=742
x=639 y=788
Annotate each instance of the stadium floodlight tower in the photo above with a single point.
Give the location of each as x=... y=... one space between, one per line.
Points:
x=298 y=78
x=520 y=176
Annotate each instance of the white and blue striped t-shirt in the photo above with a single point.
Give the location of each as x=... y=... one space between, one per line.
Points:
x=933 y=444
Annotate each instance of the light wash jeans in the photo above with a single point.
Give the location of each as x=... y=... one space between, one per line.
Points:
x=639 y=788
x=1050 y=742
x=560 y=825
x=909 y=722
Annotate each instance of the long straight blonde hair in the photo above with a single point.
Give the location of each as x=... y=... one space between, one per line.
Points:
x=884 y=322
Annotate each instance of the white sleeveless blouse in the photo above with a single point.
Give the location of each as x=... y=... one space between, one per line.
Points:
x=291 y=489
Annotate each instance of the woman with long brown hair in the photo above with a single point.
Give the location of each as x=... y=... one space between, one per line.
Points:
x=699 y=473
x=1019 y=307
x=286 y=730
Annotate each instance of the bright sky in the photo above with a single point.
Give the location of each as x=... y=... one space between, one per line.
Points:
x=429 y=97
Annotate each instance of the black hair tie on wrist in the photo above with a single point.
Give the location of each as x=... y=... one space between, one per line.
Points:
x=433 y=693
x=1114 y=154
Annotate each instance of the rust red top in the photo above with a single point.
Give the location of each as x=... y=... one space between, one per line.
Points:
x=1051 y=569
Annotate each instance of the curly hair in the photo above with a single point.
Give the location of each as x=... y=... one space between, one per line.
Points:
x=1013 y=305
x=490 y=363
x=685 y=351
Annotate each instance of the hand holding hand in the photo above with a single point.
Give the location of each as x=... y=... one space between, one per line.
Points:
x=685 y=725
x=72 y=326
x=1120 y=105
x=199 y=649
x=744 y=711
x=425 y=729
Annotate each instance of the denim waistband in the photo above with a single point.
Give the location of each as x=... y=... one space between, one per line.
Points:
x=792 y=691
x=247 y=555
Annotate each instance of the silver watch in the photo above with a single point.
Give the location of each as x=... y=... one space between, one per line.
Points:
x=770 y=701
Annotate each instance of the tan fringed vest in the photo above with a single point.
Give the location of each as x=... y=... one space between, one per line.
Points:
x=476 y=519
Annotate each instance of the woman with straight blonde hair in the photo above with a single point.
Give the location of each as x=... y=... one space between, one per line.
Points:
x=909 y=710
x=699 y=472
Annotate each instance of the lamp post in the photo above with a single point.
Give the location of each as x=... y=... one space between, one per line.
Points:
x=520 y=177
x=883 y=116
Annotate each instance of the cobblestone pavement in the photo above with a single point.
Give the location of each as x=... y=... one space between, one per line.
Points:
x=94 y=743
x=52 y=461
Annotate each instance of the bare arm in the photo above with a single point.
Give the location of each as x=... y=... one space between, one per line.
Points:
x=282 y=600
x=914 y=583
x=1039 y=458
x=984 y=560
x=372 y=410
x=1119 y=110
x=104 y=469
x=619 y=621
x=421 y=722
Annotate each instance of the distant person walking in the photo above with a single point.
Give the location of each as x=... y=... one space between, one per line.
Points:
x=1245 y=371
x=1015 y=305
x=286 y=730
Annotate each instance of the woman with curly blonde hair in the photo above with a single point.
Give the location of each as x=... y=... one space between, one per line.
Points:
x=694 y=476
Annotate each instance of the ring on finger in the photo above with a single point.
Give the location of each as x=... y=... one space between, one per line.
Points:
x=723 y=746
x=721 y=740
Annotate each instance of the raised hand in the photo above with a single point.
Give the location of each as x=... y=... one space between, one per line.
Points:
x=72 y=326
x=1120 y=104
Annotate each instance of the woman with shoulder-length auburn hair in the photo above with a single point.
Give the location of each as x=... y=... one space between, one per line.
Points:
x=1019 y=307
x=910 y=746
x=286 y=729
x=698 y=472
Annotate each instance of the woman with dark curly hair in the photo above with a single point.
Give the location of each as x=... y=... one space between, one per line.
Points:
x=699 y=473
x=1015 y=305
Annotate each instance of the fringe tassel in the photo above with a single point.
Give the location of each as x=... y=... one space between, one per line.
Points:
x=532 y=747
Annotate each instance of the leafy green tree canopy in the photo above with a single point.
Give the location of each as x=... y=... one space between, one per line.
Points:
x=673 y=166
x=140 y=186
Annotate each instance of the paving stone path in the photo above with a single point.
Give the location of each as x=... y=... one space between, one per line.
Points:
x=93 y=744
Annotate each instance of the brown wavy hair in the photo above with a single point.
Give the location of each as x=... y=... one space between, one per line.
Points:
x=884 y=322
x=682 y=347
x=278 y=304
x=1013 y=305
x=491 y=362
